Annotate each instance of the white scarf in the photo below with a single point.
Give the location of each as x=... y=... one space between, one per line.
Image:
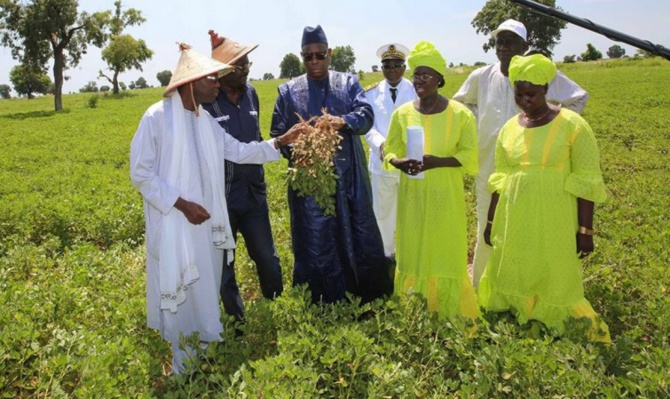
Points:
x=178 y=270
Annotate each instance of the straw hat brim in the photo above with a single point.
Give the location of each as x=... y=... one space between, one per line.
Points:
x=219 y=55
x=193 y=66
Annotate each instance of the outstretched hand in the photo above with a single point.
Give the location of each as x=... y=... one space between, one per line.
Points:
x=291 y=136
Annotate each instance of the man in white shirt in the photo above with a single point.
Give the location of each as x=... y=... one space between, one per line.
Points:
x=385 y=96
x=176 y=163
x=490 y=95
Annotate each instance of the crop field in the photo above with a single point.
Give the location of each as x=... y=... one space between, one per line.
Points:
x=72 y=300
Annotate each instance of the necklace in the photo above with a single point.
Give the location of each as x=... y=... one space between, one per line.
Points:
x=431 y=108
x=529 y=119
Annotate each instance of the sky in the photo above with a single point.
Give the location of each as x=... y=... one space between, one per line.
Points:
x=276 y=26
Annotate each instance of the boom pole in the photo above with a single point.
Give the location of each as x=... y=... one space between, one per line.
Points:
x=655 y=49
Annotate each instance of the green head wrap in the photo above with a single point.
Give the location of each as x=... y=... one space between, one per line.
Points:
x=536 y=69
x=425 y=54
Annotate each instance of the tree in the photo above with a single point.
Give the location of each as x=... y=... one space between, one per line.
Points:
x=591 y=53
x=122 y=85
x=141 y=83
x=90 y=87
x=643 y=53
x=164 y=77
x=38 y=31
x=616 y=51
x=268 y=76
x=124 y=52
x=105 y=88
x=27 y=80
x=375 y=68
x=290 y=66
x=569 y=59
x=343 y=59
x=5 y=91
x=543 y=32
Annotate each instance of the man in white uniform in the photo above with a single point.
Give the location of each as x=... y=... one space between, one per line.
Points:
x=176 y=164
x=489 y=94
x=385 y=96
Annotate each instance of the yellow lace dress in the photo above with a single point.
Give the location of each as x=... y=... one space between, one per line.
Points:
x=431 y=239
x=534 y=269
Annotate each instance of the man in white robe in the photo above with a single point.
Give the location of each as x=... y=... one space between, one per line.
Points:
x=176 y=164
x=384 y=97
x=489 y=94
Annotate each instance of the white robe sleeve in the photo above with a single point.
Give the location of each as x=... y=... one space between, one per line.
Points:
x=468 y=94
x=144 y=155
x=567 y=93
x=256 y=152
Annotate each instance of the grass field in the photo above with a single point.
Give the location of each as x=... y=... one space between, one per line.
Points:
x=72 y=275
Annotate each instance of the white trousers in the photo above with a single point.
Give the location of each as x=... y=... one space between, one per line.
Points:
x=385 y=206
x=179 y=356
x=482 y=249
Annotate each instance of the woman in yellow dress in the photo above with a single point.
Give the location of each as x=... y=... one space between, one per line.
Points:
x=546 y=182
x=431 y=239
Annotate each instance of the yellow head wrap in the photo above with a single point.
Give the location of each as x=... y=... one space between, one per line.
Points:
x=536 y=69
x=425 y=54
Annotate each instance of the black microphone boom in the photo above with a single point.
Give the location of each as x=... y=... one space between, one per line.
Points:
x=655 y=49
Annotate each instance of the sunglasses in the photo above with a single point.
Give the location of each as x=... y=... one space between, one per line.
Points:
x=424 y=77
x=387 y=67
x=310 y=56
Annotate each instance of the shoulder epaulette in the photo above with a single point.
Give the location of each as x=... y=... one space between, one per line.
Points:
x=372 y=86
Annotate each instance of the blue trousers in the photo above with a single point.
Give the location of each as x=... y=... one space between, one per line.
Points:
x=254 y=225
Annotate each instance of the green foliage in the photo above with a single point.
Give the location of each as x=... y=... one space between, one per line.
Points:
x=290 y=66
x=5 y=91
x=164 y=77
x=124 y=52
x=343 y=59
x=105 y=88
x=616 y=51
x=591 y=53
x=93 y=101
x=543 y=32
x=29 y=81
x=72 y=274
x=268 y=76
x=90 y=87
x=569 y=59
x=39 y=31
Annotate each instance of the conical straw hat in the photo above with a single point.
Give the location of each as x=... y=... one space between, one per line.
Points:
x=193 y=66
x=227 y=50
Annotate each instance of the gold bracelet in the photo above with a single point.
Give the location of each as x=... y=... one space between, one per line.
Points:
x=586 y=231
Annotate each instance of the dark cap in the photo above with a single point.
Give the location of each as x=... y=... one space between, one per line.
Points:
x=313 y=35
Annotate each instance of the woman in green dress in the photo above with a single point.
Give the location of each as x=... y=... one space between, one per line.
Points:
x=431 y=239
x=540 y=221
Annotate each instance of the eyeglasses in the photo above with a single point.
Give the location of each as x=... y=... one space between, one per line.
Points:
x=387 y=67
x=310 y=56
x=424 y=77
x=243 y=68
